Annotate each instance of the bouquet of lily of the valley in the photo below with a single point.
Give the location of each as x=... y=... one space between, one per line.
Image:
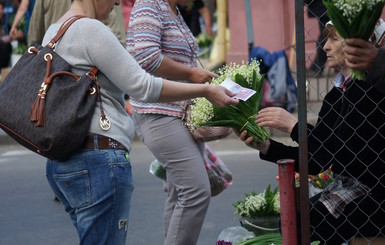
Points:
x=255 y=204
x=354 y=19
x=241 y=116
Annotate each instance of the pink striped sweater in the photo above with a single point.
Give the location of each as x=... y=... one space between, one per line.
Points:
x=155 y=31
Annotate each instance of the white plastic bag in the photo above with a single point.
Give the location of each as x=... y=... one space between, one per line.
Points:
x=233 y=235
x=219 y=175
x=157 y=169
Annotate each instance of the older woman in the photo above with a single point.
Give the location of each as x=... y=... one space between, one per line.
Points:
x=349 y=136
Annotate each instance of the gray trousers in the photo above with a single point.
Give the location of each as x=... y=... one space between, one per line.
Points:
x=188 y=187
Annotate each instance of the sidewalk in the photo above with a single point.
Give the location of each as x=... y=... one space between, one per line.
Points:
x=5 y=139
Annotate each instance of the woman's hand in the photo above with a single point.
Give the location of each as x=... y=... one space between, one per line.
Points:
x=276 y=117
x=220 y=96
x=13 y=33
x=262 y=147
x=359 y=54
x=200 y=75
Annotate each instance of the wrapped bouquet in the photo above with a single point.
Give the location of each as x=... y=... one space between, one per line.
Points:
x=354 y=19
x=241 y=116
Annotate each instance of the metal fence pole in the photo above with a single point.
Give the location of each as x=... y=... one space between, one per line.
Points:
x=287 y=202
x=302 y=122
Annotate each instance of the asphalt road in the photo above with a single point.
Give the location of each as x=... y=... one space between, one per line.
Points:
x=29 y=215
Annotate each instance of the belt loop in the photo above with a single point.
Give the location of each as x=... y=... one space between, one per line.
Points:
x=96 y=146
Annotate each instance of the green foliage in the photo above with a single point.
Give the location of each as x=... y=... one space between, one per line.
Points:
x=21 y=48
x=203 y=40
x=262 y=204
x=242 y=116
x=265 y=239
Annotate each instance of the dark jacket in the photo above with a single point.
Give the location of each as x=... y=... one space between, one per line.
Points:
x=349 y=134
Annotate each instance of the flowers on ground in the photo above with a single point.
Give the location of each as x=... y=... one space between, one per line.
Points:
x=320 y=180
x=323 y=179
x=241 y=116
x=354 y=18
x=261 y=204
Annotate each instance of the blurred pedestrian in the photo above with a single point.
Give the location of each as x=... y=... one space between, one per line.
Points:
x=24 y=11
x=191 y=14
x=46 y=12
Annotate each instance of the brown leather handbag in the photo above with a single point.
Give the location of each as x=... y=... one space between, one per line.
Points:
x=44 y=106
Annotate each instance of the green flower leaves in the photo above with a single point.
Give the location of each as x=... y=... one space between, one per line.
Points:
x=261 y=204
x=241 y=116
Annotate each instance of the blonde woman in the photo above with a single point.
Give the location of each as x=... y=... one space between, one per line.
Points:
x=95 y=184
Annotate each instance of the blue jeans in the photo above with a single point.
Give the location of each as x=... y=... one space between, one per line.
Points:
x=95 y=187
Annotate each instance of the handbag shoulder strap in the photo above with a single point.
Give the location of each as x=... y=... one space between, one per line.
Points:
x=63 y=28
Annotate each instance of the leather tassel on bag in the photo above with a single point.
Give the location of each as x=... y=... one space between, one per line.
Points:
x=33 y=114
x=41 y=111
x=37 y=114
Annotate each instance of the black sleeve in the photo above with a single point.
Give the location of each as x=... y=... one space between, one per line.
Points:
x=316 y=153
x=278 y=151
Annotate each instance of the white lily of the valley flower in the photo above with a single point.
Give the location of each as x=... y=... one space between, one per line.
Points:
x=202 y=109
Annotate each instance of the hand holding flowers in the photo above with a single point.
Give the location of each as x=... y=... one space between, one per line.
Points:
x=262 y=147
x=241 y=116
x=359 y=54
x=215 y=96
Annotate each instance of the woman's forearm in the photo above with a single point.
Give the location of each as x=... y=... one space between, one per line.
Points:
x=176 y=91
x=20 y=13
x=216 y=94
x=173 y=70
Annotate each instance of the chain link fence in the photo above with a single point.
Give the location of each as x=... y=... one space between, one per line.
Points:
x=348 y=139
